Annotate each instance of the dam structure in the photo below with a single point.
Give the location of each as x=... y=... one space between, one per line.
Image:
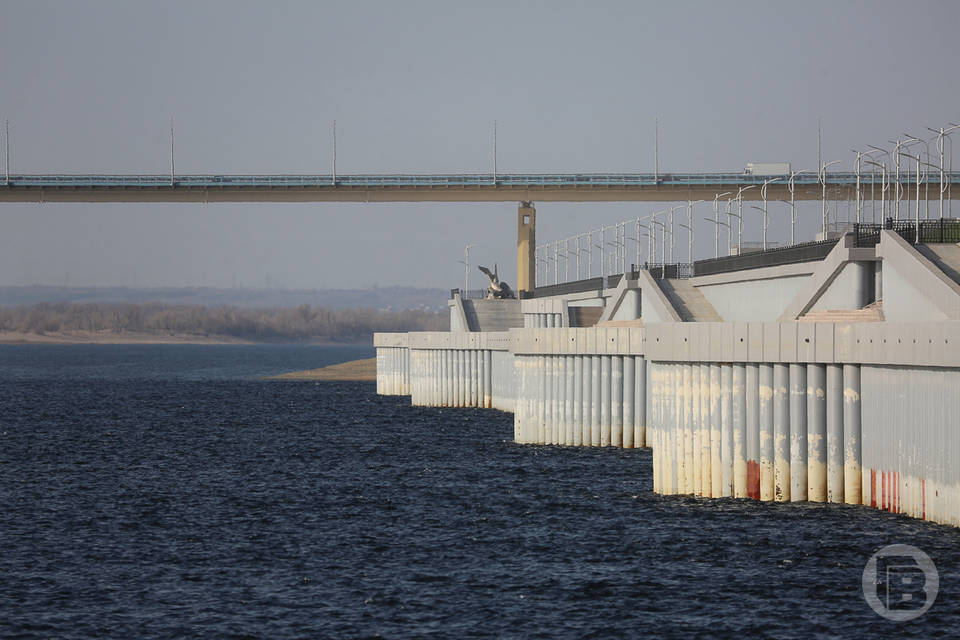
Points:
x=821 y=372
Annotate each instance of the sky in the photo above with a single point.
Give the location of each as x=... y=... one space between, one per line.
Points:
x=253 y=87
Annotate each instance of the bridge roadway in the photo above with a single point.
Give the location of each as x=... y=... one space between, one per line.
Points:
x=576 y=187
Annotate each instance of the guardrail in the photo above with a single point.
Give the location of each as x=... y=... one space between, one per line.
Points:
x=945 y=230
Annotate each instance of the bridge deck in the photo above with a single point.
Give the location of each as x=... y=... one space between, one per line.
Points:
x=578 y=187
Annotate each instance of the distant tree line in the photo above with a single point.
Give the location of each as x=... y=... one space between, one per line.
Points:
x=300 y=324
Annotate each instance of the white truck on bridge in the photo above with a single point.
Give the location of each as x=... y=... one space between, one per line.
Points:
x=767 y=169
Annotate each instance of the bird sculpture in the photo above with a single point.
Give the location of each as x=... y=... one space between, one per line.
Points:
x=497 y=289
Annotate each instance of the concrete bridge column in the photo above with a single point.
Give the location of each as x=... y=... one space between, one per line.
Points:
x=765 y=411
x=817 y=433
x=696 y=431
x=835 y=433
x=473 y=377
x=798 y=432
x=526 y=244
x=652 y=426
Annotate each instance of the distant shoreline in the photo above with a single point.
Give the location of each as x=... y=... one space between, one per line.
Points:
x=135 y=337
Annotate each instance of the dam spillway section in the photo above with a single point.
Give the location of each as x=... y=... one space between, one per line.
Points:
x=831 y=378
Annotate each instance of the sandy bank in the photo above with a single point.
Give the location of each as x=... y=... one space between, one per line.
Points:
x=356 y=370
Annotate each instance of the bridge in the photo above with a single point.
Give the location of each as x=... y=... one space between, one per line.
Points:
x=559 y=187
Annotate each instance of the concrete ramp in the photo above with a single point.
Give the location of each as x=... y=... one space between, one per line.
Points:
x=871 y=313
x=945 y=257
x=691 y=305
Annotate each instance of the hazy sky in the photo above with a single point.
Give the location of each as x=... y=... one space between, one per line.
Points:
x=414 y=87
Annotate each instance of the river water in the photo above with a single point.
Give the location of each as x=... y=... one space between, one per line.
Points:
x=169 y=492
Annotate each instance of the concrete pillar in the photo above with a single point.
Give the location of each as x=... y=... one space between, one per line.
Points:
x=752 y=403
x=640 y=411
x=852 y=487
x=765 y=415
x=696 y=433
x=554 y=400
x=653 y=425
x=542 y=405
x=690 y=408
x=562 y=402
x=703 y=429
x=444 y=398
x=716 y=433
x=488 y=379
x=526 y=244
x=781 y=433
x=798 y=432
x=472 y=377
x=550 y=323
x=595 y=401
x=520 y=412
x=726 y=427
x=835 y=433
x=577 y=401
x=569 y=382
x=629 y=399
x=738 y=399
x=816 y=433
x=878 y=280
x=605 y=400
x=586 y=394
x=616 y=401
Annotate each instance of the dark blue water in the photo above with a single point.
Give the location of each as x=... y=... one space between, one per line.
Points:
x=167 y=492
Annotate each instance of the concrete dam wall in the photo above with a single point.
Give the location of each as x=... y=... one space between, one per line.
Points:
x=827 y=402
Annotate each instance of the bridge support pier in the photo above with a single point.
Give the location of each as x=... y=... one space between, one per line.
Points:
x=526 y=245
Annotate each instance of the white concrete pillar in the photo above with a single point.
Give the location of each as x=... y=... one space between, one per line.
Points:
x=629 y=398
x=781 y=433
x=641 y=410
x=605 y=400
x=752 y=400
x=817 y=432
x=726 y=427
x=488 y=379
x=568 y=398
x=765 y=411
x=738 y=402
x=703 y=454
x=543 y=405
x=562 y=401
x=716 y=432
x=696 y=429
x=578 y=401
x=798 y=432
x=652 y=425
x=616 y=401
x=835 y=483
x=687 y=430
x=595 y=401
x=587 y=393
x=852 y=462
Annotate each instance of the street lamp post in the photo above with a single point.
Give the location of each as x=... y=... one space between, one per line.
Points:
x=940 y=135
x=883 y=187
x=663 y=247
x=926 y=178
x=672 y=242
x=716 y=223
x=793 y=208
x=917 y=212
x=823 y=198
x=763 y=194
x=740 y=213
x=466 y=269
x=730 y=216
x=690 y=228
